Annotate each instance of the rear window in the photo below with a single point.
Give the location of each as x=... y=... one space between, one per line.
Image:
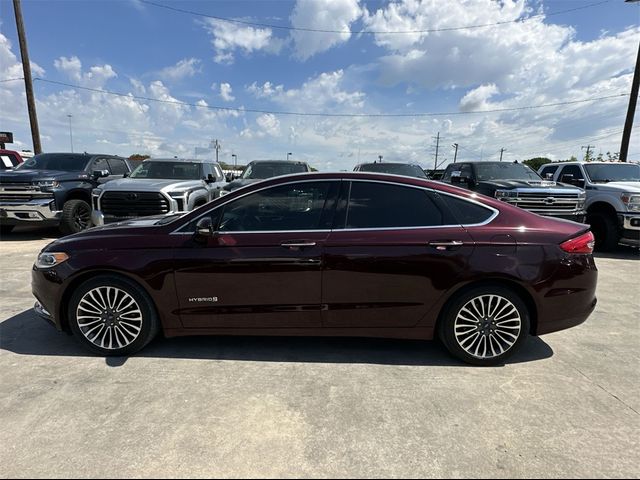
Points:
x=394 y=168
x=67 y=162
x=465 y=212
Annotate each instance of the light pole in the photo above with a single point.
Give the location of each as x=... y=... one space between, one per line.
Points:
x=70 y=132
x=380 y=158
x=288 y=155
x=235 y=161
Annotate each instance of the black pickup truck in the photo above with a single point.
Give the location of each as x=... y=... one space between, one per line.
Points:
x=518 y=185
x=55 y=189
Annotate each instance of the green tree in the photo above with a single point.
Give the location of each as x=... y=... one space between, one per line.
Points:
x=537 y=162
x=138 y=157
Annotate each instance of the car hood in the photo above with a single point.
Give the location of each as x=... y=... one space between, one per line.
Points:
x=149 y=185
x=633 y=187
x=30 y=176
x=537 y=184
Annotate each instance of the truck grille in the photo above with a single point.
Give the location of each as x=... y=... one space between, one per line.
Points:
x=546 y=203
x=134 y=204
x=21 y=192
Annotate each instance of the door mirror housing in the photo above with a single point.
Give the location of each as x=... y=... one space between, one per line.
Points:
x=204 y=228
x=96 y=174
x=126 y=174
x=210 y=178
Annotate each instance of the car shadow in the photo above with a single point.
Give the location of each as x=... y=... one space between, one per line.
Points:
x=623 y=252
x=27 y=334
x=21 y=234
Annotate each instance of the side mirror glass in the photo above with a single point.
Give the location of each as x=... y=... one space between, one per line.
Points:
x=204 y=227
x=100 y=174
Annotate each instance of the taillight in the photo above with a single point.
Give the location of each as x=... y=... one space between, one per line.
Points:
x=582 y=244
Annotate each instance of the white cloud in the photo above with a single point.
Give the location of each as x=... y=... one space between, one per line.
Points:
x=268 y=124
x=96 y=77
x=476 y=99
x=185 y=68
x=229 y=37
x=225 y=92
x=320 y=93
x=336 y=15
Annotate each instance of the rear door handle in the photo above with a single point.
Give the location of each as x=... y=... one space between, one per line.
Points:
x=446 y=244
x=297 y=244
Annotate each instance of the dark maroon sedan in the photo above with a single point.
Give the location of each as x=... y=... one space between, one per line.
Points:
x=348 y=254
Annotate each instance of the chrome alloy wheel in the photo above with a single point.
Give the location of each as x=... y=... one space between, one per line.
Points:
x=487 y=326
x=109 y=317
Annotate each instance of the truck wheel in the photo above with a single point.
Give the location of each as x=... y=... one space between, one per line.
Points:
x=76 y=216
x=605 y=229
x=6 y=229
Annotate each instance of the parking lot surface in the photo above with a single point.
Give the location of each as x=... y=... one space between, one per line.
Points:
x=567 y=405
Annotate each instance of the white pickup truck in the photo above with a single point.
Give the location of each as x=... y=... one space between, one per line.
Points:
x=613 y=198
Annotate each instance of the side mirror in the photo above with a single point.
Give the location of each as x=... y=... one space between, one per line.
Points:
x=126 y=174
x=204 y=227
x=460 y=179
x=210 y=178
x=229 y=177
x=99 y=174
x=548 y=176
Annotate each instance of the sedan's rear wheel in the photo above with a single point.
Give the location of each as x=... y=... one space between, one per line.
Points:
x=111 y=316
x=485 y=326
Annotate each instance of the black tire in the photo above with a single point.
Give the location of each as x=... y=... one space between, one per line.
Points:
x=447 y=326
x=605 y=231
x=138 y=339
x=6 y=229
x=76 y=216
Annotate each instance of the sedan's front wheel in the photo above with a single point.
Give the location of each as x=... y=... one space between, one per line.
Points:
x=112 y=316
x=485 y=325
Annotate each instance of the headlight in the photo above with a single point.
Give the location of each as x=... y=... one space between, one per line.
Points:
x=632 y=201
x=47 y=184
x=504 y=194
x=96 y=192
x=178 y=194
x=50 y=259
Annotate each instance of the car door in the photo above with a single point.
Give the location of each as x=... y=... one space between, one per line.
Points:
x=393 y=252
x=262 y=268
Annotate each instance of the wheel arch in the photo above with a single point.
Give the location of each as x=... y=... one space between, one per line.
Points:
x=512 y=285
x=78 y=194
x=602 y=207
x=86 y=275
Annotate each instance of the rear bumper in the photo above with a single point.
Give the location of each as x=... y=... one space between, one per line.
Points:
x=29 y=212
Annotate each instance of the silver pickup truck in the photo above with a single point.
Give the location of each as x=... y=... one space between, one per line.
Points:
x=158 y=186
x=613 y=198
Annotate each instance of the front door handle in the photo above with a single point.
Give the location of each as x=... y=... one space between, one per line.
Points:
x=297 y=244
x=446 y=244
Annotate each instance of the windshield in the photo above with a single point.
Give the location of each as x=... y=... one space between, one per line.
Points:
x=505 y=171
x=259 y=171
x=394 y=168
x=613 y=172
x=168 y=170
x=67 y=162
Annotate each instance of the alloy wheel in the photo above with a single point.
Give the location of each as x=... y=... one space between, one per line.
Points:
x=109 y=317
x=82 y=218
x=487 y=326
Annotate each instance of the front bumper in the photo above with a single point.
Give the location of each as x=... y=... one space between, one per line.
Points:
x=630 y=228
x=29 y=212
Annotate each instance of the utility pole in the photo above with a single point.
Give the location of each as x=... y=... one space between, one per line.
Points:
x=70 y=132
x=235 y=161
x=631 y=110
x=437 y=137
x=501 y=152
x=587 y=157
x=380 y=158
x=217 y=146
x=455 y=155
x=28 y=82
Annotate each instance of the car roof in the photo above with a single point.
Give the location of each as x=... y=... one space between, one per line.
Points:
x=190 y=160
x=387 y=163
x=288 y=162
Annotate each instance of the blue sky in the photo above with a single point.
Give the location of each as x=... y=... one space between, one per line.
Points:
x=148 y=52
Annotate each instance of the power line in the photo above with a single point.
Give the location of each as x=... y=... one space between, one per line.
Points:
x=11 y=79
x=376 y=32
x=321 y=114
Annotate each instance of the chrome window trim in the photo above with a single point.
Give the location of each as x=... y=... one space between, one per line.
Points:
x=495 y=211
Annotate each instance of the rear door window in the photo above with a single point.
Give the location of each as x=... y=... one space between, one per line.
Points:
x=465 y=212
x=374 y=205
